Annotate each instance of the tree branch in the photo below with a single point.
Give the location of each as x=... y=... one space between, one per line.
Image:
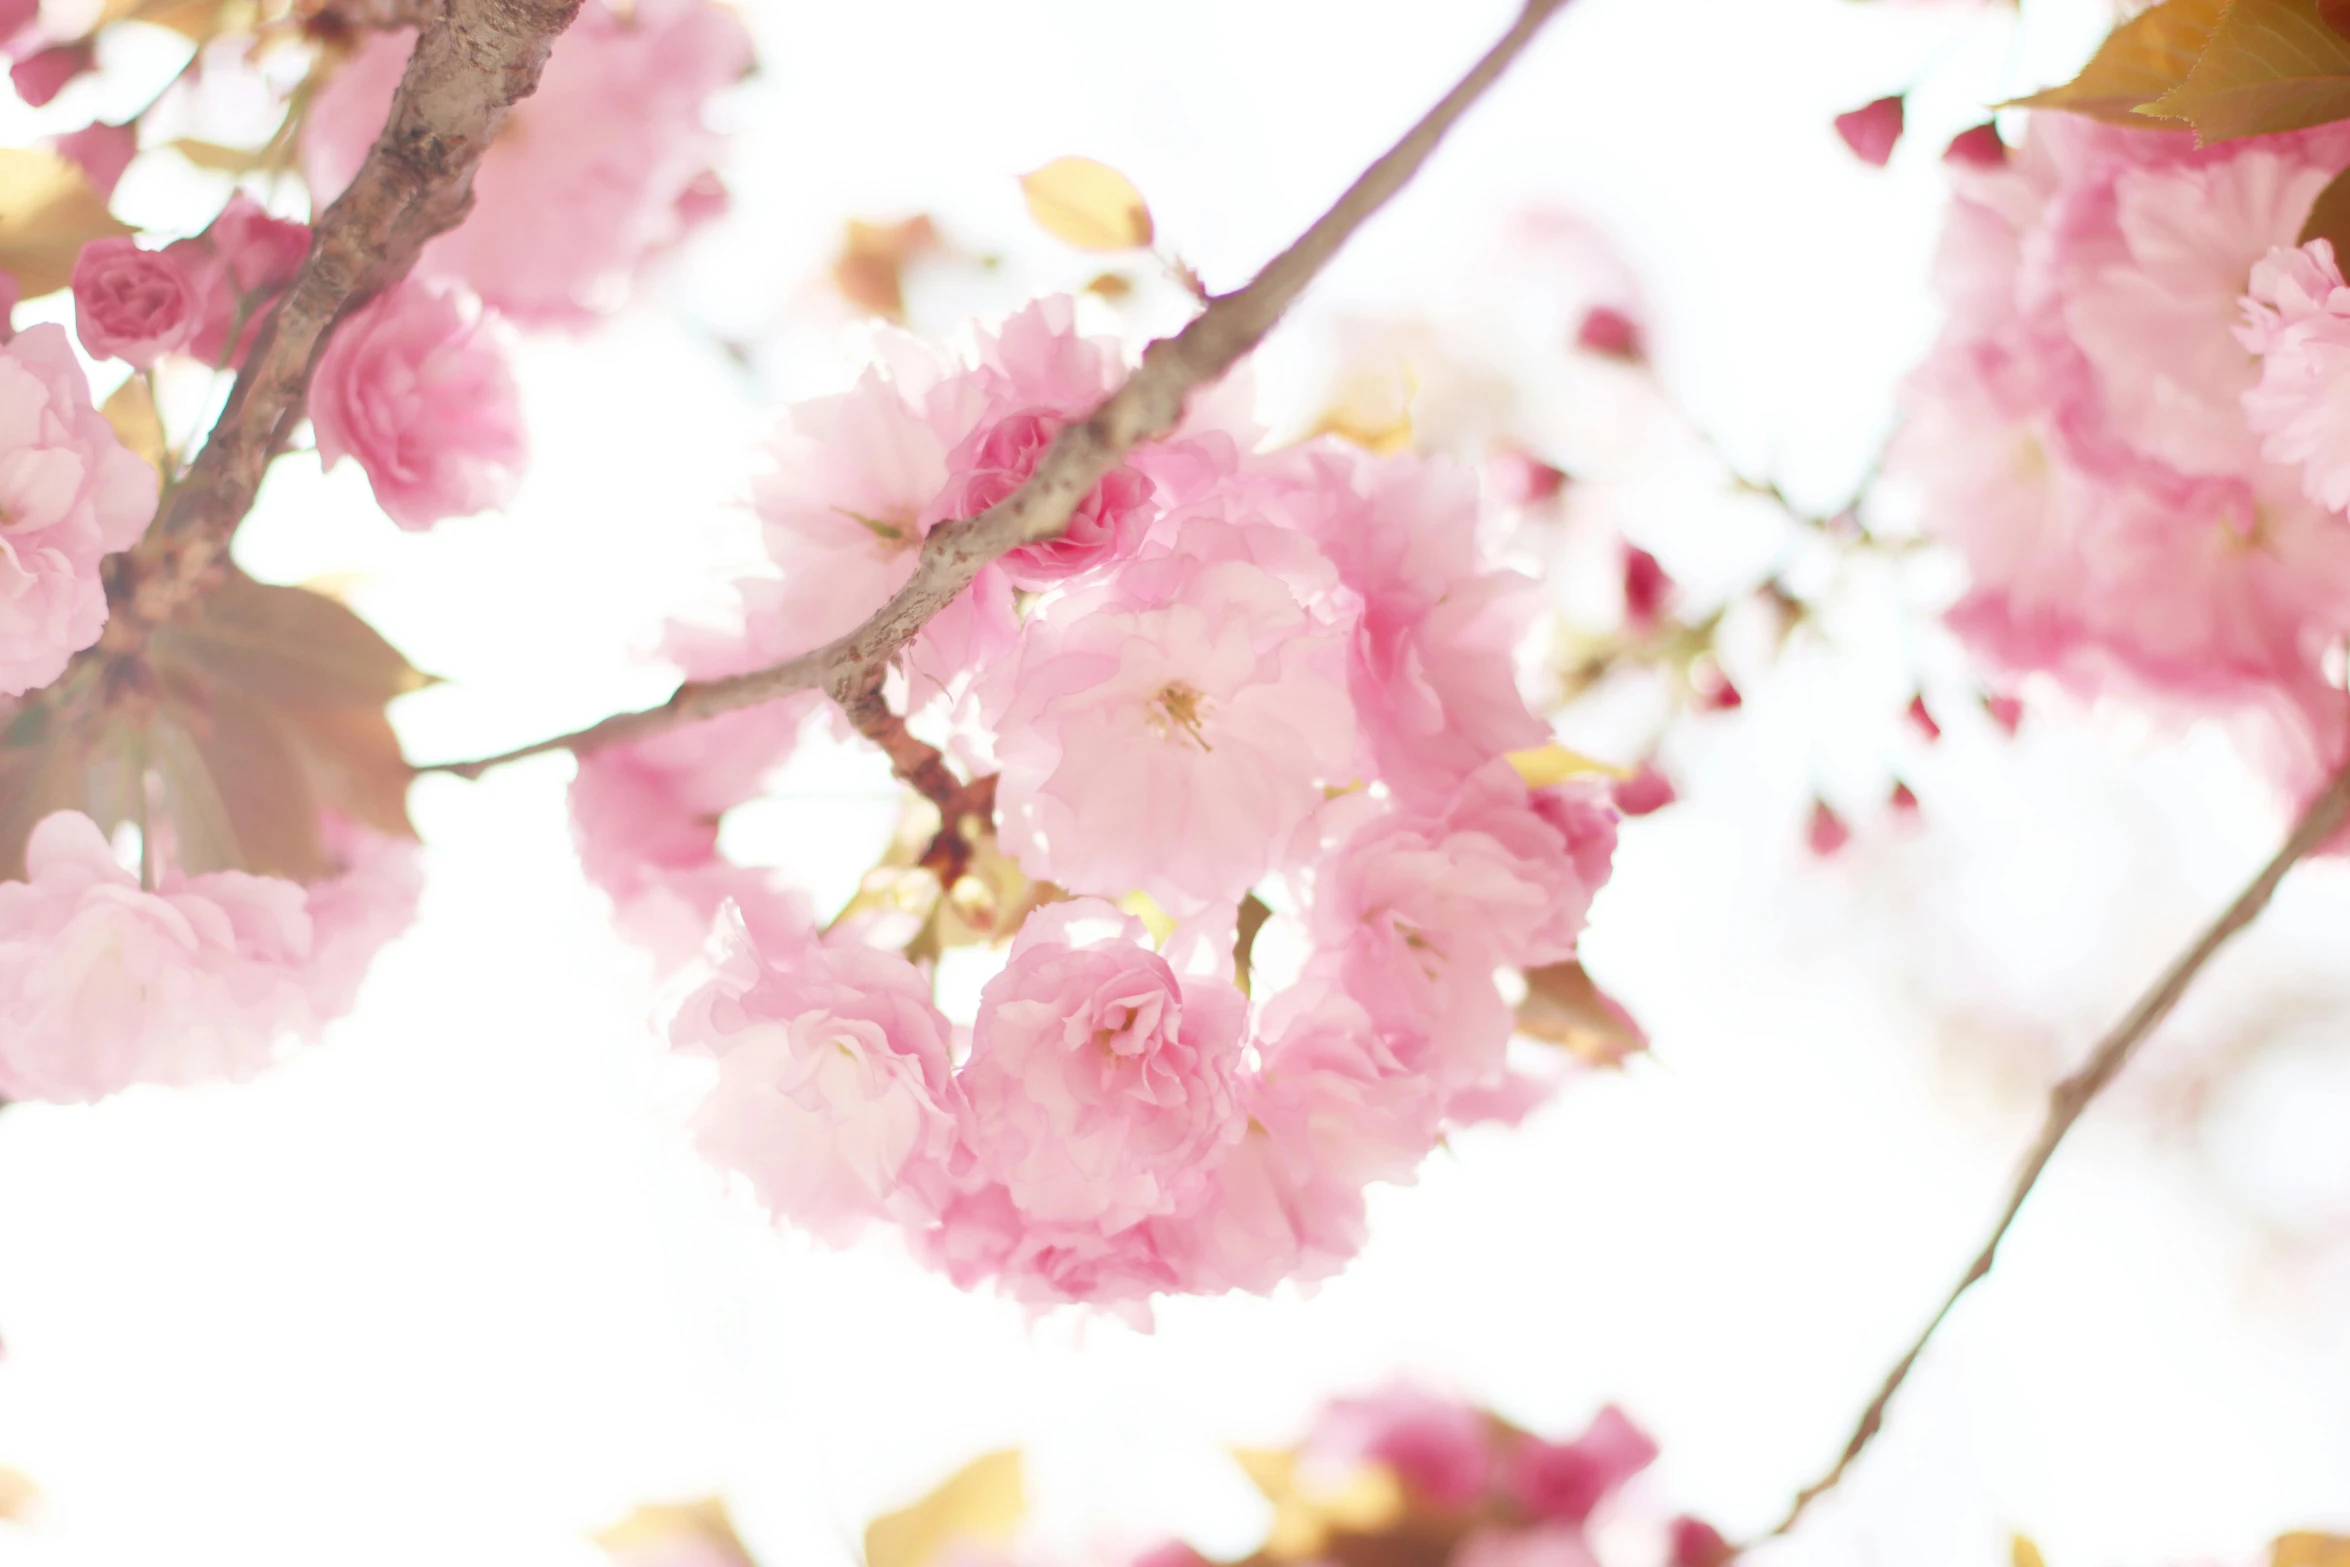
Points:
x=2066 y=1102
x=473 y=61
x=1146 y=408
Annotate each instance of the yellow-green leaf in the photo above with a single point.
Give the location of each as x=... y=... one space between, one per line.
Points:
x=1564 y=1008
x=48 y=212
x=1545 y=765
x=2306 y=1548
x=2144 y=58
x=2270 y=65
x=1088 y=204
x=697 y=1532
x=131 y=410
x=983 y=1501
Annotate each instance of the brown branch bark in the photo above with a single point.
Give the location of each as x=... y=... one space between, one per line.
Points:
x=2072 y=1096
x=473 y=61
x=1146 y=408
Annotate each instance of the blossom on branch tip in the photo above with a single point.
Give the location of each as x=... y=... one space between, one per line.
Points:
x=416 y=388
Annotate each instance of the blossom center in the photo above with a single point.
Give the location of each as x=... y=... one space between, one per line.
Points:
x=1178 y=710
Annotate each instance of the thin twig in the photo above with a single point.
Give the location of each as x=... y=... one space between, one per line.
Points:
x=1146 y=408
x=472 y=63
x=2074 y=1094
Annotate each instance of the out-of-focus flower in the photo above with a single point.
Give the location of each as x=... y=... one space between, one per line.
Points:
x=597 y=171
x=104 y=984
x=1872 y=130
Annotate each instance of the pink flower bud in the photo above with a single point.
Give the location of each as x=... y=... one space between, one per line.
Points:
x=1923 y=719
x=1980 y=148
x=1872 y=130
x=131 y=304
x=1827 y=832
x=1645 y=587
x=1609 y=331
x=1903 y=799
x=1646 y=791
x=41 y=77
x=1697 y=1543
x=1516 y=479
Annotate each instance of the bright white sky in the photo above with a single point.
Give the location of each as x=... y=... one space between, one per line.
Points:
x=451 y=1288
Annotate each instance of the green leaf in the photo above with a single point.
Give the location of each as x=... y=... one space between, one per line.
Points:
x=238 y=788
x=41 y=770
x=2143 y=58
x=2271 y=65
x=290 y=646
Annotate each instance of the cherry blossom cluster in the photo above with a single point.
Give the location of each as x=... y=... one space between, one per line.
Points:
x=2134 y=424
x=105 y=982
x=1286 y=675
x=116 y=965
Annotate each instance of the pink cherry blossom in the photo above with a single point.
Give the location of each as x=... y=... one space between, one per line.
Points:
x=241 y=263
x=1108 y=524
x=2156 y=306
x=1335 y=1105
x=2081 y=431
x=415 y=387
x=1439 y=1448
x=1432 y=670
x=1563 y=1482
x=131 y=304
x=2298 y=321
x=595 y=173
x=355 y=912
x=1101 y=1084
x=834 y=1092
x=1171 y=745
x=103 y=985
x=645 y=817
x=69 y=494
x=1413 y=914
